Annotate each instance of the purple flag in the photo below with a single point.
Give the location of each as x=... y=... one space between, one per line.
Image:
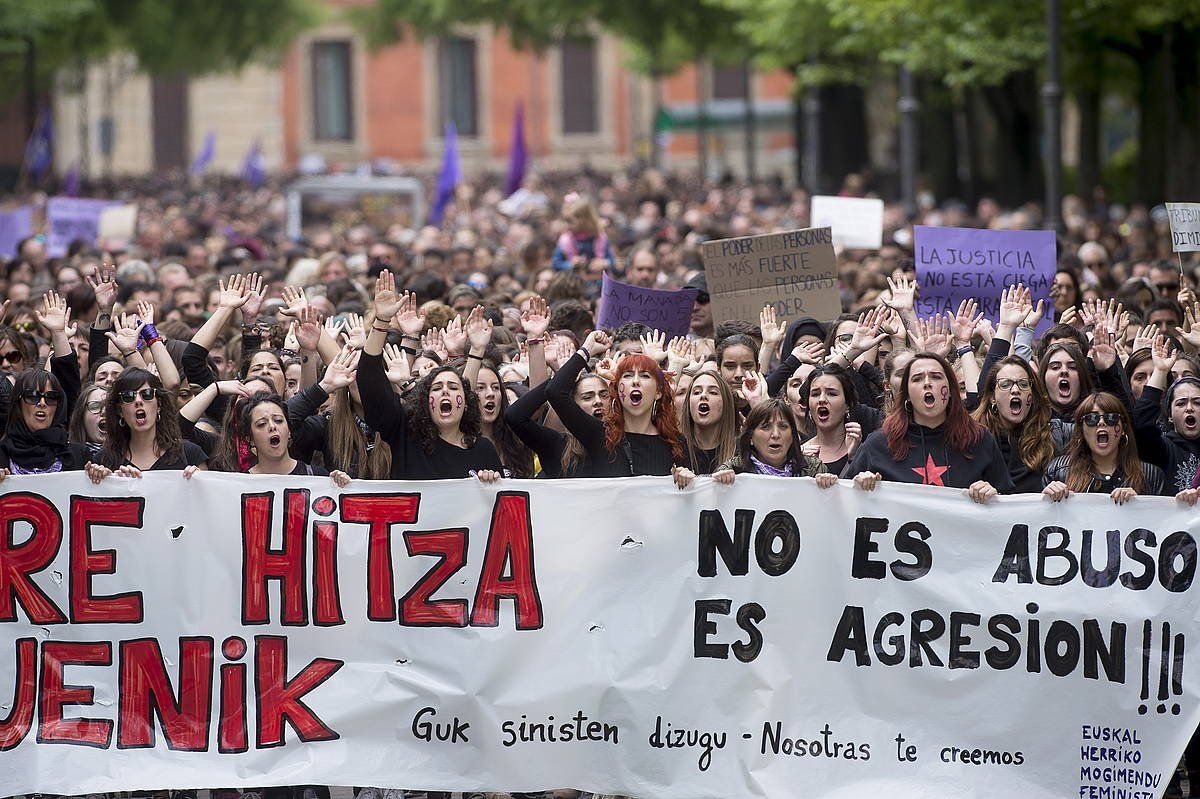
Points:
x=954 y=264
x=39 y=150
x=253 y=171
x=668 y=311
x=71 y=181
x=518 y=156
x=205 y=156
x=449 y=177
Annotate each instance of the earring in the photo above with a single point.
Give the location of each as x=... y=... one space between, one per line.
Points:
x=993 y=408
x=121 y=422
x=908 y=405
x=847 y=416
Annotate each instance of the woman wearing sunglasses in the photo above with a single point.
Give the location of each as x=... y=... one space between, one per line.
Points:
x=36 y=440
x=1101 y=457
x=142 y=430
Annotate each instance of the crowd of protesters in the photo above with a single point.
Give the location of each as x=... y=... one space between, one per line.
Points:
x=469 y=350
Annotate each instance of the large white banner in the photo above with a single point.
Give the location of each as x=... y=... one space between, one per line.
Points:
x=621 y=636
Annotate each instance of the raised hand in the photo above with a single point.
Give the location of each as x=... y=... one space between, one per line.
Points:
x=1103 y=352
x=479 y=329
x=1162 y=354
x=1034 y=317
x=535 y=319
x=342 y=370
x=356 y=331
x=387 y=301
x=903 y=292
x=768 y=325
x=255 y=295
x=933 y=335
x=293 y=300
x=868 y=333
x=1144 y=339
x=146 y=312
x=597 y=343
x=1014 y=305
x=962 y=324
x=233 y=295
x=559 y=351
x=105 y=287
x=308 y=328
x=454 y=338
x=398 y=371
x=434 y=340
x=126 y=330
x=654 y=345
x=754 y=388
x=1190 y=332
x=679 y=354
x=410 y=320
x=54 y=314
x=810 y=352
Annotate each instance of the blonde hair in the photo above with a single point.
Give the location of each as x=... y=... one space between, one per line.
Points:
x=582 y=217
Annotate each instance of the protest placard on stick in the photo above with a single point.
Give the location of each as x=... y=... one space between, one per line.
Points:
x=857 y=222
x=1185 y=226
x=795 y=271
x=954 y=264
x=668 y=311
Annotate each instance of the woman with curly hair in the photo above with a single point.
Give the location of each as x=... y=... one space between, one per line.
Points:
x=638 y=434
x=1014 y=407
x=1102 y=457
x=930 y=439
x=437 y=434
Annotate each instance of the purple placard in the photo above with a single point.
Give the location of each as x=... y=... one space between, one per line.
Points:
x=71 y=218
x=15 y=224
x=954 y=264
x=668 y=311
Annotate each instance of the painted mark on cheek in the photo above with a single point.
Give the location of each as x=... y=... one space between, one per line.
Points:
x=432 y=405
x=621 y=392
x=945 y=393
x=458 y=402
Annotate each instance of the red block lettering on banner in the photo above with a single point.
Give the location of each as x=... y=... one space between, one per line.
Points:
x=86 y=607
x=380 y=511
x=146 y=692
x=279 y=699
x=416 y=608
x=510 y=545
x=260 y=562
x=54 y=694
x=18 y=562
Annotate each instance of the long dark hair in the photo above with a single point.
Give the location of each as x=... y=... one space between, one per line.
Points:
x=37 y=380
x=232 y=453
x=838 y=373
x=423 y=428
x=242 y=422
x=515 y=456
x=962 y=432
x=763 y=412
x=1081 y=366
x=168 y=441
x=1081 y=465
x=75 y=427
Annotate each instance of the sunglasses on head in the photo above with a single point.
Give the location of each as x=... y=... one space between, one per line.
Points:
x=1005 y=384
x=12 y=356
x=1093 y=419
x=127 y=397
x=33 y=396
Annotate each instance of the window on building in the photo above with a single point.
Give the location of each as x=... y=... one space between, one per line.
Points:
x=729 y=83
x=332 y=87
x=580 y=113
x=457 y=84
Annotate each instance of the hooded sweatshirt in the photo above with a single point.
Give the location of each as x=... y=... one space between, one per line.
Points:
x=1179 y=457
x=931 y=461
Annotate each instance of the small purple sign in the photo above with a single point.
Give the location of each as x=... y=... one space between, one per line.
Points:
x=15 y=224
x=668 y=311
x=71 y=218
x=954 y=264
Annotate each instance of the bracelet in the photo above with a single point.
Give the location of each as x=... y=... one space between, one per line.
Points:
x=382 y=319
x=963 y=350
x=127 y=354
x=532 y=341
x=150 y=332
x=286 y=353
x=150 y=342
x=410 y=337
x=381 y=329
x=410 y=350
x=473 y=356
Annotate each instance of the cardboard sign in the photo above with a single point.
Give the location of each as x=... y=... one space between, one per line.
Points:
x=668 y=311
x=954 y=264
x=794 y=271
x=857 y=223
x=118 y=224
x=15 y=224
x=1185 y=226
x=763 y=639
x=72 y=218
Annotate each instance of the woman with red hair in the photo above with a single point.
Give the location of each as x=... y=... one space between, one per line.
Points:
x=930 y=439
x=638 y=434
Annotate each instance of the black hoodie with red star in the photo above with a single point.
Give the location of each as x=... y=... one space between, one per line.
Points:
x=931 y=461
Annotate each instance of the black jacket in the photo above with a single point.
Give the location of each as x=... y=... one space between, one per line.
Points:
x=931 y=462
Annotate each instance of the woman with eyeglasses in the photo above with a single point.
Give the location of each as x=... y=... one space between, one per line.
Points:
x=1101 y=457
x=142 y=430
x=1014 y=407
x=36 y=440
x=87 y=420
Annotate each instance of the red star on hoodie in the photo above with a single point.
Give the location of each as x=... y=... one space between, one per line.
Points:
x=931 y=475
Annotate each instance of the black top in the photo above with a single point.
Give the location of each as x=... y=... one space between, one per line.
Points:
x=637 y=454
x=704 y=461
x=931 y=462
x=1100 y=484
x=547 y=444
x=385 y=413
x=192 y=455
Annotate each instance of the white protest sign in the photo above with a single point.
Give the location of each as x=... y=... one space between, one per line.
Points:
x=765 y=639
x=118 y=223
x=1185 y=226
x=857 y=222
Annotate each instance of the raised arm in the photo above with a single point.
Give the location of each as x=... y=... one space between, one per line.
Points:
x=561 y=394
